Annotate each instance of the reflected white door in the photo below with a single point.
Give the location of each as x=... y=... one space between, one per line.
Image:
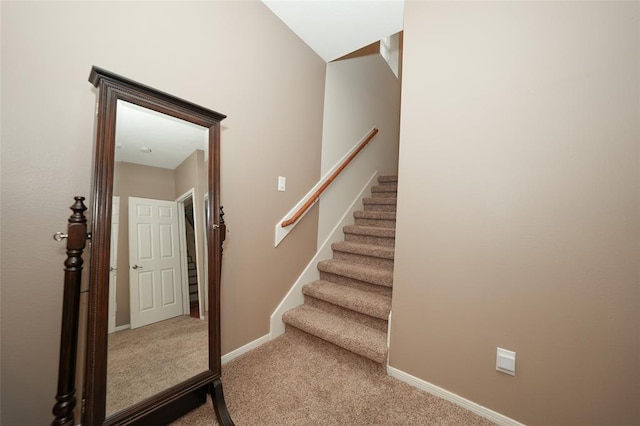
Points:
x=113 y=262
x=155 y=278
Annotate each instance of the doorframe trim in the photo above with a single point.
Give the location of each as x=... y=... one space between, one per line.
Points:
x=186 y=302
x=113 y=292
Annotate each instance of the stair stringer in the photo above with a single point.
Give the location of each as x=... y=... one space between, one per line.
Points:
x=294 y=296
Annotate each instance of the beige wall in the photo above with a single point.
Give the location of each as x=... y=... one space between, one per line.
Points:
x=188 y=173
x=135 y=180
x=361 y=93
x=518 y=208
x=233 y=57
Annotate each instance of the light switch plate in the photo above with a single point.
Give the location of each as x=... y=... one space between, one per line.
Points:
x=282 y=183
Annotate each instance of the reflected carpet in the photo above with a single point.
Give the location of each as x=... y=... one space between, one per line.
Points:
x=143 y=361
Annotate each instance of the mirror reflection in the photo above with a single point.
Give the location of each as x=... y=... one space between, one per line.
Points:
x=157 y=284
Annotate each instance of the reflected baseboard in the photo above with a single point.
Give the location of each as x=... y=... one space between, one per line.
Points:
x=246 y=348
x=122 y=327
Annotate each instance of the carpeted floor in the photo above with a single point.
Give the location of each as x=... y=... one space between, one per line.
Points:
x=298 y=379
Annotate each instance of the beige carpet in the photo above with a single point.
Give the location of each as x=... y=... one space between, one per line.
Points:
x=298 y=379
x=350 y=304
x=302 y=379
x=146 y=360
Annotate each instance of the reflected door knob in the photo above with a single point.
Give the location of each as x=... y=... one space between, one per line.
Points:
x=136 y=267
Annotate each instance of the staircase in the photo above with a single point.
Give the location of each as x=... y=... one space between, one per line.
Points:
x=192 y=273
x=349 y=305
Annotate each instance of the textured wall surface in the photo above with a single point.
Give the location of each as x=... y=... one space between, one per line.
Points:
x=233 y=57
x=518 y=207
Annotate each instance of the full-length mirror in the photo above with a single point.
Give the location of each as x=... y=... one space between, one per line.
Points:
x=157 y=303
x=153 y=342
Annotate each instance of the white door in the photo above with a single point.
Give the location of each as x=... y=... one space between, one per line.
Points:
x=155 y=282
x=113 y=262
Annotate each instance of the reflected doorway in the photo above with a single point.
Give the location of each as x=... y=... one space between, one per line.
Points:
x=191 y=256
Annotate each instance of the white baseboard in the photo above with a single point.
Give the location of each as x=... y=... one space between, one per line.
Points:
x=122 y=327
x=246 y=348
x=478 y=409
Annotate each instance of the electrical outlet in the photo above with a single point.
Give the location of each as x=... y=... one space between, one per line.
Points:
x=506 y=361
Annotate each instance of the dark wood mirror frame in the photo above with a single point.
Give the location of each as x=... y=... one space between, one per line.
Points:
x=181 y=398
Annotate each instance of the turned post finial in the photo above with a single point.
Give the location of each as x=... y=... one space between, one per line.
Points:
x=76 y=239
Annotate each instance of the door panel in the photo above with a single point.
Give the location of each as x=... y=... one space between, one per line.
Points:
x=145 y=291
x=166 y=241
x=169 y=289
x=155 y=264
x=165 y=212
x=144 y=239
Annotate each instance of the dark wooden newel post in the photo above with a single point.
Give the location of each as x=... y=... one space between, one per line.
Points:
x=76 y=239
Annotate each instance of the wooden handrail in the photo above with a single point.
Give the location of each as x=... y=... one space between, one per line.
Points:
x=293 y=219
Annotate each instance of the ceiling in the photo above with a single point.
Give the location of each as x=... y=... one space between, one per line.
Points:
x=334 y=28
x=150 y=138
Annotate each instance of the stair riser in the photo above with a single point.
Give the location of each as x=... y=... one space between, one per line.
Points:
x=376 y=276
x=375 y=357
x=370 y=303
x=388 y=187
x=363 y=259
x=380 y=207
x=387 y=181
x=369 y=321
x=339 y=279
x=384 y=194
x=369 y=366
x=369 y=239
x=380 y=223
x=384 y=291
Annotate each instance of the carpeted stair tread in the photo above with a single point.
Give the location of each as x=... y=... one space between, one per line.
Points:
x=364 y=249
x=365 y=302
x=350 y=304
x=384 y=188
x=375 y=218
x=380 y=200
x=387 y=179
x=385 y=204
x=354 y=337
x=366 y=273
x=373 y=231
x=372 y=214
